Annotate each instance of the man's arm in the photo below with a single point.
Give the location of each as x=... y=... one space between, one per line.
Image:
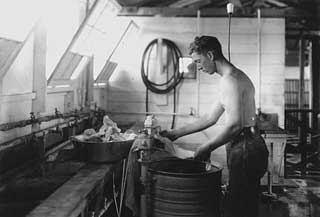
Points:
x=232 y=98
x=201 y=124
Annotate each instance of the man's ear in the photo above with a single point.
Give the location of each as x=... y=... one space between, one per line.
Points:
x=211 y=55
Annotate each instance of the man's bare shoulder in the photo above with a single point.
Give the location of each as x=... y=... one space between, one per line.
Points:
x=229 y=81
x=236 y=79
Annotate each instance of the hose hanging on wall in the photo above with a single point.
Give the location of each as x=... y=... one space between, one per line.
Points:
x=171 y=83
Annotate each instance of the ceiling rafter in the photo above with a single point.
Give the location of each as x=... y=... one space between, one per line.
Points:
x=307 y=11
x=277 y=3
x=201 y=4
x=183 y=3
x=191 y=12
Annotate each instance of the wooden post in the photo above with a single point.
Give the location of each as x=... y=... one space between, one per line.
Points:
x=302 y=115
x=301 y=78
x=315 y=79
x=39 y=84
x=89 y=83
x=301 y=82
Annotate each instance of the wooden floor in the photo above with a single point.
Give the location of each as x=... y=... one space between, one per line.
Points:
x=299 y=200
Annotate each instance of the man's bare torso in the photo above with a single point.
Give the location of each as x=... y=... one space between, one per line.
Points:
x=239 y=80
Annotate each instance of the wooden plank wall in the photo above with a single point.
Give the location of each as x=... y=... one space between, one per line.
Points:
x=126 y=92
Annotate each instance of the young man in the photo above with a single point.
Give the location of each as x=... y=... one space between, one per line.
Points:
x=247 y=155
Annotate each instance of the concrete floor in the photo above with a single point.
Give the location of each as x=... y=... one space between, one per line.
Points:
x=302 y=199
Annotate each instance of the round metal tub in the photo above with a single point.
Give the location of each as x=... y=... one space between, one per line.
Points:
x=184 y=188
x=101 y=152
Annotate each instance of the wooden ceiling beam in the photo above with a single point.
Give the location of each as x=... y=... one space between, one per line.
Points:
x=277 y=3
x=153 y=11
x=183 y=3
x=191 y=12
x=211 y=12
x=201 y=4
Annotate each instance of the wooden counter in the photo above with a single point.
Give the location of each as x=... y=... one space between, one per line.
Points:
x=73 y=196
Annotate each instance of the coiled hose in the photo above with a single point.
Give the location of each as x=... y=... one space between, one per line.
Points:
x=171 y=83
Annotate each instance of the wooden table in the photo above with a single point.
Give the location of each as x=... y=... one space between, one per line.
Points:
x=276 y=145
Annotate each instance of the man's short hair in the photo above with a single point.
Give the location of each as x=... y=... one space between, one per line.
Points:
x=204 y=44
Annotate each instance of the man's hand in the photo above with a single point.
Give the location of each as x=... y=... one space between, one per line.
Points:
x=202 y=153
x=169 y=134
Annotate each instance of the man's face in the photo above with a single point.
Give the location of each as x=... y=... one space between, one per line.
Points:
x=204 y=63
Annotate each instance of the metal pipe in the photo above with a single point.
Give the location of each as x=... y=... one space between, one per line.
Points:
x=20 y=139
x=198 y=71
x=23 y=123
x=143 y=196
x=152 y=113
x=57 y=148
x=144 y=161
x=259 y=56
x=106 y=207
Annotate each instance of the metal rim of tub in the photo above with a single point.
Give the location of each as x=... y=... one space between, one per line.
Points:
x=214 y=168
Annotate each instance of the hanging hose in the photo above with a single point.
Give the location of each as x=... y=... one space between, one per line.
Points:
x=171 y=83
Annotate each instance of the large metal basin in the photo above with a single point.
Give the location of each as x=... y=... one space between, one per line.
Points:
x=184 y=188
x=101 y=152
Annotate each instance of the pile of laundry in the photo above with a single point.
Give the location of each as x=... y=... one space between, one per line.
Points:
x=108 y=132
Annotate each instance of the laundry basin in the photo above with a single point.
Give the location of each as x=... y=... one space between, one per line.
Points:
x=184 y=188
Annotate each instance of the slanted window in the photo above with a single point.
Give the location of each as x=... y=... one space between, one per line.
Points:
x=101 y=37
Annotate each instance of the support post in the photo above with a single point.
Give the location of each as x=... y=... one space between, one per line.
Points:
x=302 y=115
x=315 y=79
x=39 y=84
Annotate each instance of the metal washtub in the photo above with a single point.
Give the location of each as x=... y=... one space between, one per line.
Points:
x=184 y=188
x=101 y=152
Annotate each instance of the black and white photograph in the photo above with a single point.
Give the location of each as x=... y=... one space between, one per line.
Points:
x=159 y=108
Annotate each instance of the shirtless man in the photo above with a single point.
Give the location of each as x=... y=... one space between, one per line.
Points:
x=247 y=155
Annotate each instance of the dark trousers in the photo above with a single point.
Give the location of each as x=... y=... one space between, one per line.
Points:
x=247 y=158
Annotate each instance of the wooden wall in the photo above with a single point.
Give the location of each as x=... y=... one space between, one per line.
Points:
x=125 y=92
